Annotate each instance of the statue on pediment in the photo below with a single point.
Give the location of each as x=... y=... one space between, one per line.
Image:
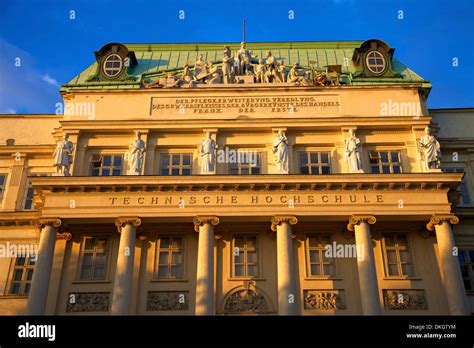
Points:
x=136 y=154
x=207 y=150
x=282 y=72
x=297 y=76
x=270 y=68
x=259 y=72
x=280 y=149
x=245 y=58
x=228 y=65
x=63 y=156
x=430 y=151
x=352 y=153
x=214 y=74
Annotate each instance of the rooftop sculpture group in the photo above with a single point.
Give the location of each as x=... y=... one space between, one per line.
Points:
x=243 y=67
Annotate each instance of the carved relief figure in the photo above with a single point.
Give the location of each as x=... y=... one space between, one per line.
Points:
x=63 y=156
x=136 y=153
x=431 y=151
x=280 y=149
x=352 y=154
x=246 y=301
x=207 y=150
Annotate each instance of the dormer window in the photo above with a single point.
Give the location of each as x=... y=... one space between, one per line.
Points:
x=375 y=62
x=113 y=65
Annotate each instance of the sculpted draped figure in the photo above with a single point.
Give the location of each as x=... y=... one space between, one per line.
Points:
x=431 y=151
x=227 y=65
x=352 y=155
x=207 y=150
x=63 y=156
x=280 y=149
x=245 y=57
x=136 y=154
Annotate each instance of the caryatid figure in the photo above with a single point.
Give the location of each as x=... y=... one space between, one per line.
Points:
x=136 y=154
x=63 y=156
x=352 y=154
x=207 y=150
x=431 y=151
x=280 y=149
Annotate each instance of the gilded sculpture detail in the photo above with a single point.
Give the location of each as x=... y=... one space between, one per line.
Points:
x=324 y=300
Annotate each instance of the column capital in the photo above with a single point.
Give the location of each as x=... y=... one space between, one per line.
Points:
x=201 y=220
x=357 y=219
x=439 y=219
x=279 y=219
x=55 y=222
x=127 y=220
x=64 y=236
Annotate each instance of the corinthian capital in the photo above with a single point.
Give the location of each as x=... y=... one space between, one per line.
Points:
x=201 y=220
x=439 y=219
x=129 y=220
x=279 y=219
x=357 y=219
x=55 y=222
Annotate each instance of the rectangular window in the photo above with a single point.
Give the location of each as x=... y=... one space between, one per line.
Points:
x=170 y=258
x=247 y=162
x=22 y=275
x=3 y=182
x=245 y=257
x=466 y=262
x=176 y=163
x=94 y=258
x=385 y=162
x=315 y=163
x=397 y=256
x=318 y=264
x=463 y=186
x=106 y=165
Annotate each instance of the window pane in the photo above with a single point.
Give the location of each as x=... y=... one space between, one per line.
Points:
x=375 y=170
x=326 y=170
x=324 y=157
x=389 y=240
x=315 y=270
x=163 y=272
x=165 y=171
x=239 y=257
x=314 y=255
x=471 y=255
x=89 y=243
x=393 y=269
x=464 y=271
x=106 y=160
x=27 y=288
x=239 y=242
x=251 y=242
x=303 y=158
x=176 y=242
x=312 y=241
x=86 y=273
x=105 y=172
x=100 y=260
x=101 y=244
x=165 y=160
x=384 y=156
x=386 y=169
x=176 y=258
x=29 y=274
x=402 y=240
x=186 y=171
x=15 y=288
x=175 y=160
x=467 y=284
x=328 y=269
x=395 y=156
x=251 y=257
x=163 y=258
x=391 y=256
x=117 y=161
x=116 y=172
x=186 y=160
x=239 y=270
x=397 y=169
x=324 y=240
x=314 y=157
x=175 y=171
x=164 y=242
x=99 y=273
x=407 y=269
x=20 y=261
x=176 y=272
x=304 y=170
x=252 y=271
x=255 y=170
x=18 y=275
x=95 y=172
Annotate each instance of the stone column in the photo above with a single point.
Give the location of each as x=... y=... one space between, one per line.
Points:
x=369 y=291
x=449 y=264
x=287 y=297
x=205 y=296
x=121 y=299
x=42 y=272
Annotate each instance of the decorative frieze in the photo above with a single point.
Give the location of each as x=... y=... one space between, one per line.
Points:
x=405 y=299
x=246 y=301
x=324 y=300
x=167 y=301
x=88 y=302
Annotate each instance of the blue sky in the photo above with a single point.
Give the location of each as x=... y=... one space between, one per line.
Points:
x=53 y=48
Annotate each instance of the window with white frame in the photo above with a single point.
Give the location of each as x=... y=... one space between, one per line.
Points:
x=22 y=274
x=385 y=161
x=246 y=162
x=94 y=258
x=169 y=257
x=318 y=264
x=313 y=162
x=176 y=163
x=397 y=256
x=106 y=164
x=244 y=256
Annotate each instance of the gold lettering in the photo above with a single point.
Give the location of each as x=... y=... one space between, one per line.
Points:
x=126 y=200
x=338 y=199
x=154 y=200
x=112 y=199
x=255 y=199
x=141 y=200
x=169 y=200
x=206 y=199
x=366 y=200
x=233 y=199
x=192 y=200
x=325 y=199
x=283 y=199
x=268 y=199
x=353 y=198
x=379 y=199
x=296 y=199
x=310 y=199
x=219 y=200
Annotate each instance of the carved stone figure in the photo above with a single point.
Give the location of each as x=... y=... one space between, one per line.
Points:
x=431 y=152
x=271 y=66
x=227 y=65
x=246 y=301
x=260 y=72
x=352 y=154
x=200 y=68
x=323 y=300
x=282 y=72
x=63 y=156
x=88 y=302
x=245 y=58
x=136 y=153
x=297 y=76
x=280 y=149
x=215 y=75
x=207 y=150
x=405 y=299
x=167 y=301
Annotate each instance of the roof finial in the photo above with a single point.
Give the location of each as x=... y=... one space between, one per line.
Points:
x=243 y=29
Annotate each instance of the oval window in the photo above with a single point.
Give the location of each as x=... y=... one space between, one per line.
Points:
x=112 y=65
x=375 y=62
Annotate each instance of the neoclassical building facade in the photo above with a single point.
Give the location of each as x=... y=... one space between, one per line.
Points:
x=300 y=178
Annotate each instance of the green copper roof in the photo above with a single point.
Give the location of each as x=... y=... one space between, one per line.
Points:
x=153 y=59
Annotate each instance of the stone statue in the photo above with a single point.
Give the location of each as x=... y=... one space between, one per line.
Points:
x=200 y=70
x=281 y=72
x=207 y=150
x=260 y=72
x=63 y=156
x=136 y=153
x=214 y=76
x=296 y=76
x=431 y=151
x=227 y=65
x=280 y=149
x=352 y=155
x=245 y=57
x=271 y=66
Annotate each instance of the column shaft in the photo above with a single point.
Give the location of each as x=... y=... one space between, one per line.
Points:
x=450 y=270
x=369 y=291
x=205 y=271
x=42 y=272
x=124 y=272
